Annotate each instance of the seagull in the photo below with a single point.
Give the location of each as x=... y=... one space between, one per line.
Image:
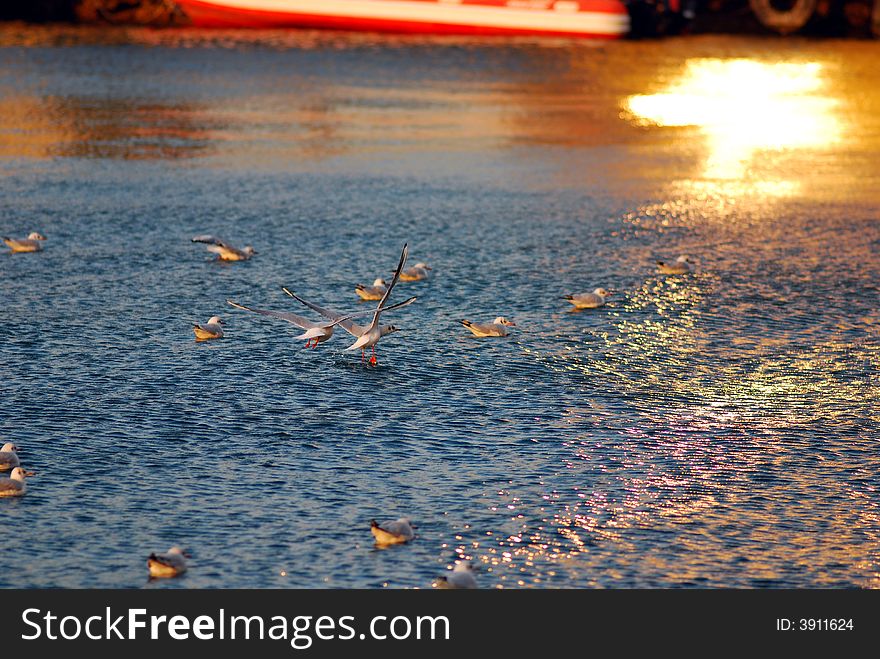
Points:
x=367 y=337
x=496 y=328
x=211 y=330
x=462 y=576
x=33 y=243
x=315 y=332
x=225 y=251
x=14 y=486
x=680 y=266
x=344 y=321
x=589 y=300
x=167 y=565
x=416 y=273
x=374 y=292
x=392 y=533
x=9 y=457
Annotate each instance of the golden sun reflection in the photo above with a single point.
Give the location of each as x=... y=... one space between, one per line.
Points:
x=746 y=109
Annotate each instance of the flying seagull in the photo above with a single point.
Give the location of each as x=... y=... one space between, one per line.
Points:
x=367 y=337
x=315 y=332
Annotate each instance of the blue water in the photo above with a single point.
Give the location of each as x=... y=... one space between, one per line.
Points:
x=715 y=429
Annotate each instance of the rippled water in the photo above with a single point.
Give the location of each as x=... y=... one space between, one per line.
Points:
x=713 y=429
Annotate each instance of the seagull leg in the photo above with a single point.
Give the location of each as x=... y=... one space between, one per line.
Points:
x=315 y=344
x=362 y=355
x=373 y=359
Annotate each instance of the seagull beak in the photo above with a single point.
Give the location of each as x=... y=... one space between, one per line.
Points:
x=30 y=473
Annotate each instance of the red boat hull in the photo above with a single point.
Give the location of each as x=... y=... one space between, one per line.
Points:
x=594 y=19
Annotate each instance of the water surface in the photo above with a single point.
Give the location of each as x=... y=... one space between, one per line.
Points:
x=714 y=429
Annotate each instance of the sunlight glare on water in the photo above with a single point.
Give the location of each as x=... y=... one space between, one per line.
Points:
x=745 y=108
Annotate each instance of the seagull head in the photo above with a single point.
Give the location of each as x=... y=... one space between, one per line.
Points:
x=602 y=292
x=215 y=320
x=379 y=282
x=684 y=258
x=423 y=266
x=9 y=447
x=389 y=329
x=19 y=474
x=250 y=251
x=501 y=320
x=36 y=236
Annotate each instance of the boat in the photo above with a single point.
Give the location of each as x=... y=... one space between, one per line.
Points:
x=555 y=18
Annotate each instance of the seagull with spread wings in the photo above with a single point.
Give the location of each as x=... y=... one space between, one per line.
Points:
x=367 y=337
x=315 y=332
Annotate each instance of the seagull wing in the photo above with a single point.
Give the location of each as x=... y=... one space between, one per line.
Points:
x=210 y=240
x=169 y=560
x=361 y=313
x=9 y=485
x=299 y=321
x=391 y=284
x=337 y=318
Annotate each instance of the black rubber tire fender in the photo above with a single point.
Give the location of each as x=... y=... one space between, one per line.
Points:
x=875 y=19
x=784 y=21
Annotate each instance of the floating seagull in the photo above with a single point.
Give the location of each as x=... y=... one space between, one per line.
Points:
x=461 y=576
x=367 y=337
x=392 y=533
x=33 y=243
x=225 y=251
x=374 y=292
x=167 y=565
x=416 y=273
x=14 y=486
x=589 y=300
x=211 y=330
x=680 y=266
x=9 y=457
x=496 y=328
